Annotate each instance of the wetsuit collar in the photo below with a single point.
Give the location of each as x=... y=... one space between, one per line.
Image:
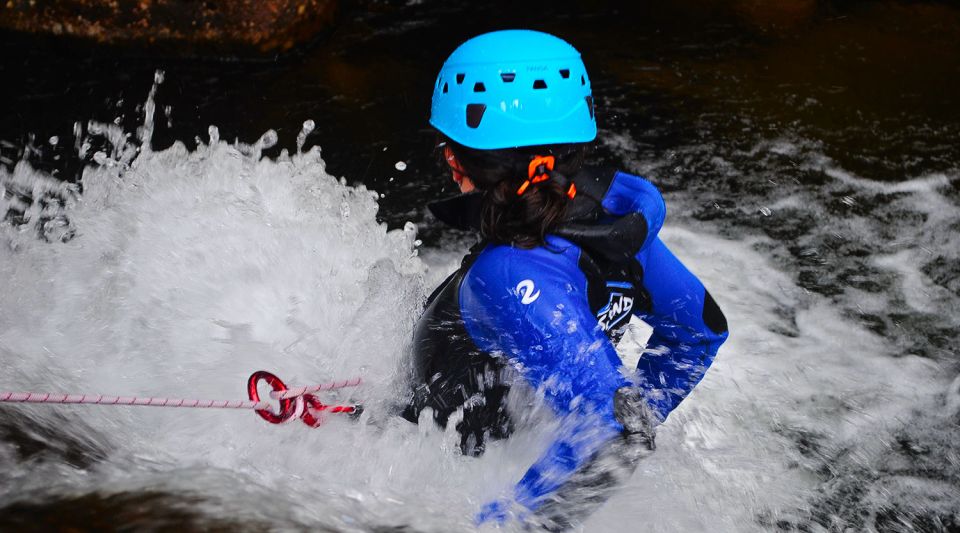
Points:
x=585 y=224
x=462 y=212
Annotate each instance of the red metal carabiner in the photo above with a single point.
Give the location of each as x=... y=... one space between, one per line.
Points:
x=290 y=408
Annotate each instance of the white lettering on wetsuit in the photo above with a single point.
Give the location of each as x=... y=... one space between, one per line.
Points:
x=618 y=308
x=526 y=291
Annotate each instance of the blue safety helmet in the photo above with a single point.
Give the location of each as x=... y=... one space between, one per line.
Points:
x=514 y=88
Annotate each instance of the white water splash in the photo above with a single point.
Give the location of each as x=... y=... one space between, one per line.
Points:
x=729 y=454
x=189 y=270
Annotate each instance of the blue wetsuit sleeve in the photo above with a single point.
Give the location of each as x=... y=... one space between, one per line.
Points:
x=688 y=329
x=532 y=309
x=632 y=194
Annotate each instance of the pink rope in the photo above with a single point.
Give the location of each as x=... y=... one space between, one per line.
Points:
x=98 y=399
x=300 y=391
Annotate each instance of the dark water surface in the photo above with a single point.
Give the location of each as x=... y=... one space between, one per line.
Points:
x=806 y=129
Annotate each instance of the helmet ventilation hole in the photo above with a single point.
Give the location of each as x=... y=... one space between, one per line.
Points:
x=445 y=88
x=589 y=100
x=539 y=84
x=564 y=73
x=479 y=88
x=583 y=80
x=460 y=78
x=508 y=77
x=475 y=114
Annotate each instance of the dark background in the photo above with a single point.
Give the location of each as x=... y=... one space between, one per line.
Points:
x=876 y=81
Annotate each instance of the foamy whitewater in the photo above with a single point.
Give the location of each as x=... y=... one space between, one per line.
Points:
x=179 y=272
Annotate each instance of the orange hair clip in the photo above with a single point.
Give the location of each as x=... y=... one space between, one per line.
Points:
x=537 y=172
x=523 y=187
x=533 y=169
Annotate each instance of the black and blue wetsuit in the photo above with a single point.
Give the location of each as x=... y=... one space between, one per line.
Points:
x=551 y=315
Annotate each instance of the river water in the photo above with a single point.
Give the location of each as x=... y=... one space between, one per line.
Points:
x=809 y=158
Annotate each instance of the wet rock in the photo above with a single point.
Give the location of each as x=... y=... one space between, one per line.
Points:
x=58 y=440
x=241 y=27
x=131 y=511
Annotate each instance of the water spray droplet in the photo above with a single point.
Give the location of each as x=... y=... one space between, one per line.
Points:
x=400 y=165
x=146 y=131
x=77 y=132
x=267 y=140
x=308 y=127
x=214 y=133
x=54 y=140
x=766 y=211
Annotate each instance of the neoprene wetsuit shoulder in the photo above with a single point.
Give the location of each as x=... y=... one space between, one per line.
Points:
x=552 y=315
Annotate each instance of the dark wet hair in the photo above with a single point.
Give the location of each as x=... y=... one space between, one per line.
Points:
x=519 y=220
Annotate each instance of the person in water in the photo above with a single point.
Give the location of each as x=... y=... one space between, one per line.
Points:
x=568 y=254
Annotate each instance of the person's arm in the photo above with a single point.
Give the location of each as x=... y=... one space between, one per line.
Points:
x=688 y=329
x=531 y=307
x=632 y=194
x=632 y=215
x=688 y=326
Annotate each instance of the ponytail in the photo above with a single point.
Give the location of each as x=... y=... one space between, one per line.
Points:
x=525 y=190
